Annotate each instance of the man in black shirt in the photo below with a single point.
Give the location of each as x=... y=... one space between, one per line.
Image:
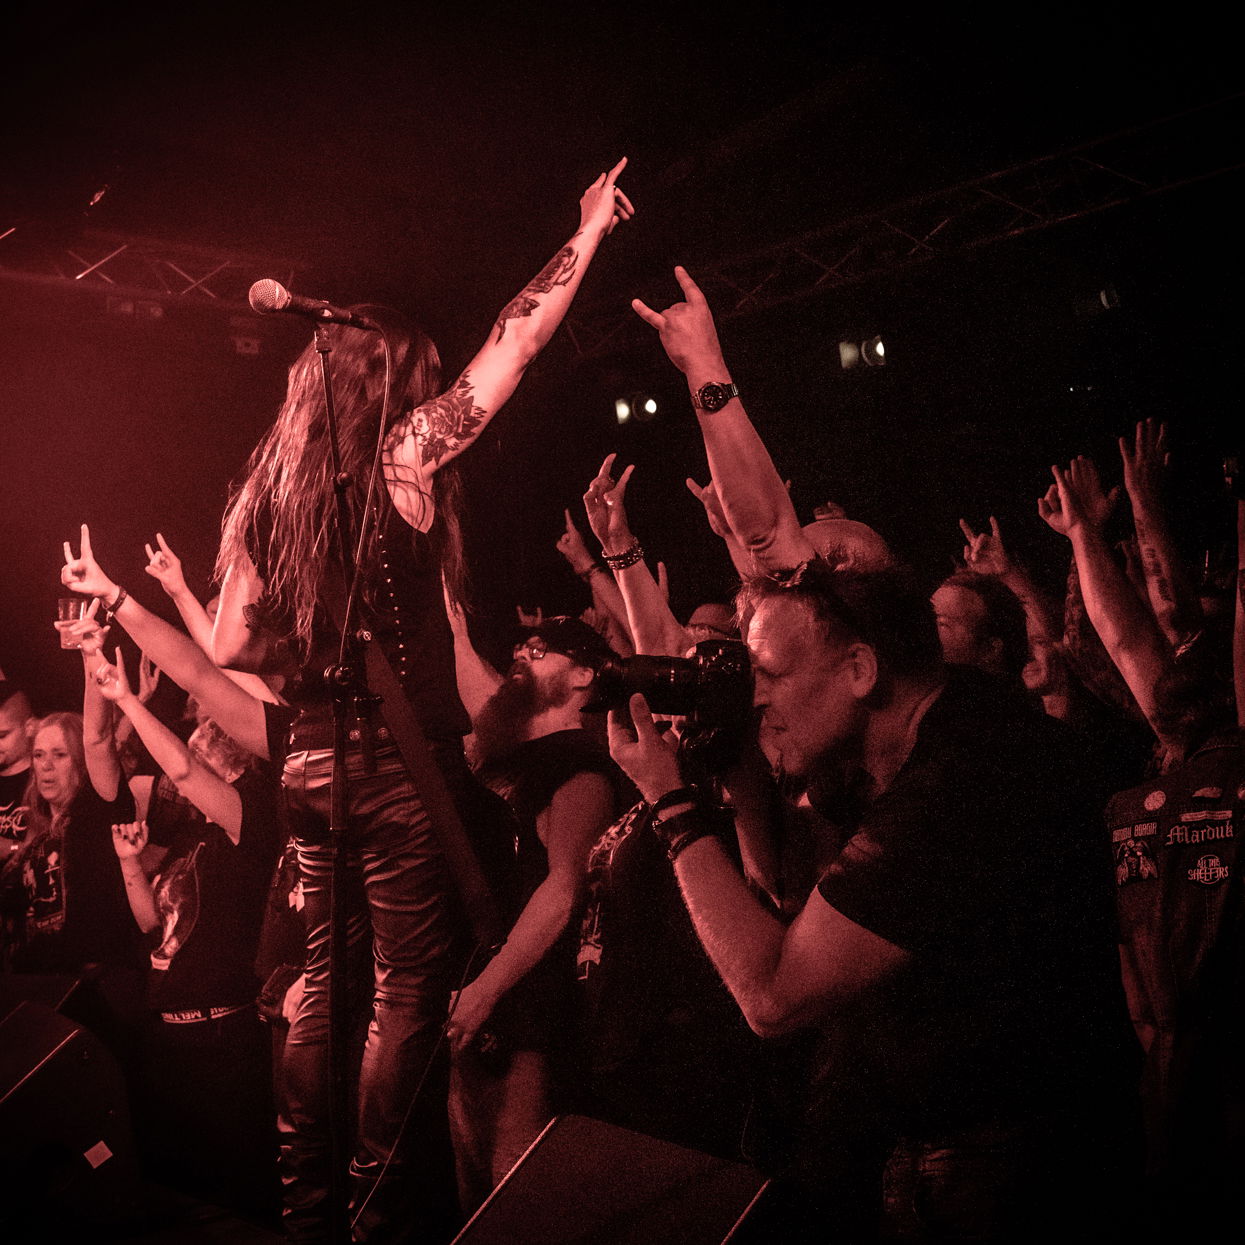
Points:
x=16 y=719
x=956 y=957
x=508 y=1026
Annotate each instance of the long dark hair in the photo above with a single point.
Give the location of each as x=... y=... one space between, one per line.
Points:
x=282 y=515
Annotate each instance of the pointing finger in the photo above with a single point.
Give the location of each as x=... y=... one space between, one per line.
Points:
x=86 y=542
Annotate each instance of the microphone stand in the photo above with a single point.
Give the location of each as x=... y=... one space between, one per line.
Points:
x=348 y=686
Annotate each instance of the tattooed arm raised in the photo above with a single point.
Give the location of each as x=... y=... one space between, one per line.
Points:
x=438 y=430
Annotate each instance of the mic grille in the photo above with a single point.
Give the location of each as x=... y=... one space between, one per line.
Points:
x=267 y=296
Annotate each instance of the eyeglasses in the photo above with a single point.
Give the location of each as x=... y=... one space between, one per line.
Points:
x=533 y=650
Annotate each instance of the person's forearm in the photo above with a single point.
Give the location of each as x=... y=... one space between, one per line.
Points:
x=234 y=708
x=138 y=892
x=1125 y=625
x=607 y=599
x=209 y=793
x=102 y=766
x=477 y=680
x=754 y=497
x=544 y=917
x=654 y=629
x=1169 y=586
x=529 y=320
x=1042 y=612
x=1238 y=627
x=743 y=940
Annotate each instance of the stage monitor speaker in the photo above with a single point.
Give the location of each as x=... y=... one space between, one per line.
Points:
x=66 y=1146
x=586 y=1181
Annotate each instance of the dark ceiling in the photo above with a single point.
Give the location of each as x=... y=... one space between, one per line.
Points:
x=432 y=156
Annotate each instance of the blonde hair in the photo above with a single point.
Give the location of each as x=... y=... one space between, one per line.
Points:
x=40 y=820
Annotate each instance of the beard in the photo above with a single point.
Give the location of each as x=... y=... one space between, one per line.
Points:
x=503 y=721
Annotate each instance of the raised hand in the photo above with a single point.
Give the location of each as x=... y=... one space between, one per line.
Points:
x=687 y=331
x=163 y=564
x=83 y=574
x=1063 y=507
x=607 y=515
x=86 y=632
x=148 y=678
x=1094 y=504
x=603 y=204
x=708 y=497
x=112 y=681
x=129 y=838
x=530 y=618
x=1146 y=462
x=984 y=552
x=572 y=547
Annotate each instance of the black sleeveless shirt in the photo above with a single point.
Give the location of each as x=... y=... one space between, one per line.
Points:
x=401 y=603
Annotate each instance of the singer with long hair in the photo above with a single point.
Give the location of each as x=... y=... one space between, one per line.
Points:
x=279 y=581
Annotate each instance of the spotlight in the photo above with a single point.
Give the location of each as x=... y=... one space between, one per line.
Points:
x=871 y=353
x=639 y=406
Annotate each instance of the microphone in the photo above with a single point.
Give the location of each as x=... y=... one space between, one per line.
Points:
x=269 y=297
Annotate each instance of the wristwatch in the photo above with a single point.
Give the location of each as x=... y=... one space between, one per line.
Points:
x=714 y=396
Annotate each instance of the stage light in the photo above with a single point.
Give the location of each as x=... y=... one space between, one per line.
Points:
x=640 y=406
x=871 y=353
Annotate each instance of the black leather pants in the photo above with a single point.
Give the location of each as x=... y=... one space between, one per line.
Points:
x=402 y=1184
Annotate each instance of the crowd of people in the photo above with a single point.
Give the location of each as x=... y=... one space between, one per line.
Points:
x=920 y=895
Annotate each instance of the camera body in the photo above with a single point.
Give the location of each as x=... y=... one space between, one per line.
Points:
x=712 y=687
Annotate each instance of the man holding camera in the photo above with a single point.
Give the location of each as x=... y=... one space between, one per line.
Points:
x=956 y=958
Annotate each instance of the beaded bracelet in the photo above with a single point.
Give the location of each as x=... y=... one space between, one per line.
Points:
x=629 y=557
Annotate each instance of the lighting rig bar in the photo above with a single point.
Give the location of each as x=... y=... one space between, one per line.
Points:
x=135 y=268
x=1161 y=156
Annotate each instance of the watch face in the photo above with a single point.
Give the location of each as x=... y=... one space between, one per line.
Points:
x=713 y=397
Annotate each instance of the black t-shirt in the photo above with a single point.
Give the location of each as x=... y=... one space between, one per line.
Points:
x=210 y=894
x=533 y=1014
x=668 y=1050
x=1181 y=905
x=982 y=860
x=76 y=911
x=12 y=810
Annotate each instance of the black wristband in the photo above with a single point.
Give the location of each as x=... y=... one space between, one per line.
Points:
x=117 y=602
x=680 y=795
x=680 y=831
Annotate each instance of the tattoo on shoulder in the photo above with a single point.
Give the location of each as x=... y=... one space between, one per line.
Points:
x=558 y=271
x=447 y=423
